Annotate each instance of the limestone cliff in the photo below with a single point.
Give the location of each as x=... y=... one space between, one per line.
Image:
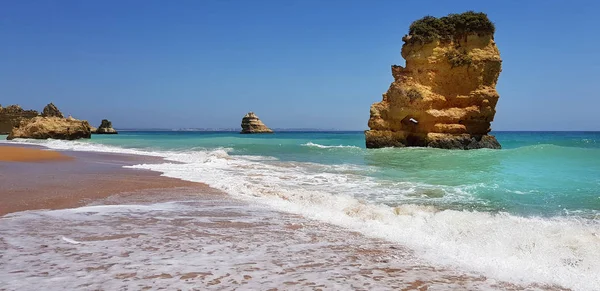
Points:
x=51 y=127
x=445 y=97
x=252 y=124
x=12 y=115
x=105 y=128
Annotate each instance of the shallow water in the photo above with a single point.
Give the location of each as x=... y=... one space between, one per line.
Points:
x=527 y=213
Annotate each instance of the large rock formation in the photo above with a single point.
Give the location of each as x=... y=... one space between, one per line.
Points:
x=251 y=124
x=51 y=111
x=105 y=128
x=51 y=127
x=12 y=116
x=445 y=97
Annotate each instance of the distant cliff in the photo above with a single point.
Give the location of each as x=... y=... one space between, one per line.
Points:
x=12 y=116
x=446 y=95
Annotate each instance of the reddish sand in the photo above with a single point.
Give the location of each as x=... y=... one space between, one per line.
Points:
x=71 y=179
x=23 y=154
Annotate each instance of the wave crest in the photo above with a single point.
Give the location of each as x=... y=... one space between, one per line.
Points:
x=316 y=145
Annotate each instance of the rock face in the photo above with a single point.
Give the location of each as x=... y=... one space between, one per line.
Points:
x=105 y=128
x=12 y=116
x=51 y=111
x=251 y=124
x=51 y=127
x=445 y=97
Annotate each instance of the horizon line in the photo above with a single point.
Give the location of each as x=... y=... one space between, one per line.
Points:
x=315 y=129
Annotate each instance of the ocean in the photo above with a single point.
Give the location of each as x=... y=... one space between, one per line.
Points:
x=529 y=213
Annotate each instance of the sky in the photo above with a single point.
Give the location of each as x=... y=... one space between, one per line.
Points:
x=295 y=63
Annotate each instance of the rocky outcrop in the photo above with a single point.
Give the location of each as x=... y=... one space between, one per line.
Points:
x=12 y=116
x=445 y=97
x=105 y=128
x=51 y=111
x=252 y=124
x=51 y=127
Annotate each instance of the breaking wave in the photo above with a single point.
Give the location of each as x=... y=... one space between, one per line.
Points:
x=316 y=145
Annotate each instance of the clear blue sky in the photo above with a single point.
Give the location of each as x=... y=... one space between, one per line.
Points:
x=296 y=63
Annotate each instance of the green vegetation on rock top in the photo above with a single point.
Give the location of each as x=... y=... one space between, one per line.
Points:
x=449 y=27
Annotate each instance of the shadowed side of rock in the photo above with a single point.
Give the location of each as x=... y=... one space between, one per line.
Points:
x=12 y=116
x=252 y=124
x=51 y=111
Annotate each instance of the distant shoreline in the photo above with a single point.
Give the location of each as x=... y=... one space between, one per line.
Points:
x=313 y=130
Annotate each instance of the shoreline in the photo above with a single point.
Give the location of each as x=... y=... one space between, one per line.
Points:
x=34 y=178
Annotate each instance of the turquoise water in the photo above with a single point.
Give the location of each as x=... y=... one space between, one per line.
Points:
x=536 y=173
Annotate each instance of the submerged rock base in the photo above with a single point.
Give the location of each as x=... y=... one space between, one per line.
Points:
x=379 y=139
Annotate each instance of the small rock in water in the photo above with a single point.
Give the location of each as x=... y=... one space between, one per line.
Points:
x=252 y=124
x=105 y=128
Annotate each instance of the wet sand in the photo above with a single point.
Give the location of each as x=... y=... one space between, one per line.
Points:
x=30 y=154
x=33 y=178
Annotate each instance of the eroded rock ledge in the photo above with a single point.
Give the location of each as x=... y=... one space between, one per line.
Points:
x=51 y=123
x=51 y=127
x=446 y=95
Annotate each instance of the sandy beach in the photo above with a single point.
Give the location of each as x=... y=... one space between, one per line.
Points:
x=93 y=224
x=35 y=178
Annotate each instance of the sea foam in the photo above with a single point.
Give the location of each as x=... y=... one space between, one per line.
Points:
x=204 y=244
x=316 y=145
x=554 y=251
